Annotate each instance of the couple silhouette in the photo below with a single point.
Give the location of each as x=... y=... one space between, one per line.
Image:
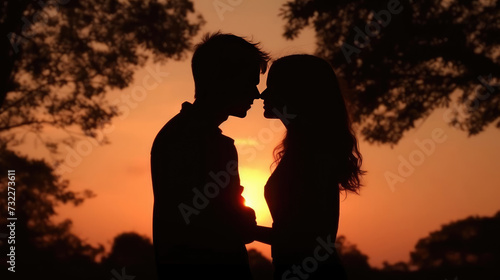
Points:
x=200 y=221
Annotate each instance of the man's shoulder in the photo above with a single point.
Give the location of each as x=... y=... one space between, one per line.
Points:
x=226 y=139
x=168 y=130
x=175 y=130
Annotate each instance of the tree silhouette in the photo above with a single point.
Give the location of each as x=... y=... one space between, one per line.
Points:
x=42 y=247
x=399 y=266
x=404 y=59
x=463 y=249
x=60 y=58
x=133 y=252
x=470 y=244
x=354 y=261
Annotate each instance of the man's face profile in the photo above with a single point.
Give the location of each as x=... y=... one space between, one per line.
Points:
x=240 y=90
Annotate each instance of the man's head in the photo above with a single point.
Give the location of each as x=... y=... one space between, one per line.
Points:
x=226 y=70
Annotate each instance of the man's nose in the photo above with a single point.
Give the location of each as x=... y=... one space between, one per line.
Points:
x=255 y=93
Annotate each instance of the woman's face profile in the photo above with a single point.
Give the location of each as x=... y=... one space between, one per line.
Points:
x=273 y=95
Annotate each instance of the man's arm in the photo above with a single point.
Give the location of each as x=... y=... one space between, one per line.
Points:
x=264 y=234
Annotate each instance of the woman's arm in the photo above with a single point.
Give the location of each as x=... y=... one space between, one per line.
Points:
x=264 y=234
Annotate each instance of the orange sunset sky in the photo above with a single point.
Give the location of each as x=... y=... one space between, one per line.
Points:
x=456 y=179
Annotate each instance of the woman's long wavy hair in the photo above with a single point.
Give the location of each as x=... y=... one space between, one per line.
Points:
x=322 y=128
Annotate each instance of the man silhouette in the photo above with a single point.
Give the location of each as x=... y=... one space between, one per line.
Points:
x=200 y=222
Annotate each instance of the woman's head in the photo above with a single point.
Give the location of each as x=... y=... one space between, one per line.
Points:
x=306 y=87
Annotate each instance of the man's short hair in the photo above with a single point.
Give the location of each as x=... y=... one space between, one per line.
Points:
x=223 y=55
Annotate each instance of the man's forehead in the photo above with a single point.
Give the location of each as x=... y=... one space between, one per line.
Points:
x=249 y=70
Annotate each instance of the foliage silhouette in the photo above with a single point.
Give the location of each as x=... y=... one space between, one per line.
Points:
x=59 y=59
x=43 y=247
x=432 y=54
x=464 y=249
x=133 y=252
x=470 y=244
x=354 y=261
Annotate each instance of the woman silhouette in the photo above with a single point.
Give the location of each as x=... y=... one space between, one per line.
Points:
x=317 y=159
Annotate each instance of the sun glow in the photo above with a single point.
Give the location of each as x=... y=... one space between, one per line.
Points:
x=253 y=181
